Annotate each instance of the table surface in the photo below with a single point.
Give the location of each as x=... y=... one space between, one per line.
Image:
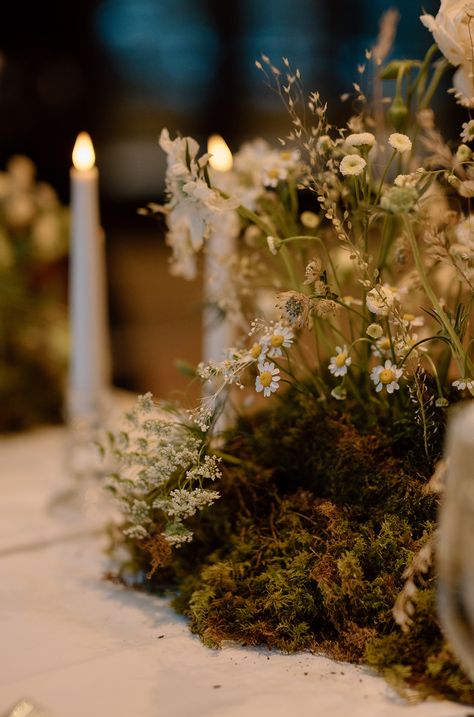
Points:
x=80 y=646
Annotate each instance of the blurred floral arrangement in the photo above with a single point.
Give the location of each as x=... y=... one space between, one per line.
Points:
x=33 y=318
x=351 y=294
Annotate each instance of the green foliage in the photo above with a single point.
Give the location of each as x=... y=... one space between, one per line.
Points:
x=308 y=544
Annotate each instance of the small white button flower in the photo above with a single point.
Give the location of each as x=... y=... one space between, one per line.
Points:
x=360 y=139
x=463 y=383
x=281 y=336
x=352 y=165
x=400 y=142
x=467 y=133
x=268 y=378
x=338 y=364
x=375 y=331
x=386 y=376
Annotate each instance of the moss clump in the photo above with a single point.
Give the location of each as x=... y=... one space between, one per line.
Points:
x=307 y=546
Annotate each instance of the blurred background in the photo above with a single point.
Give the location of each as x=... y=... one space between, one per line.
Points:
x=122 y=70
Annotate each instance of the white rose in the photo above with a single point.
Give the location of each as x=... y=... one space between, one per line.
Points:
x=450 y=29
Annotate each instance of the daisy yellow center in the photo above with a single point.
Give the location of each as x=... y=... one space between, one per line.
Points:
x=384 y=344
x=256 y=350
x=286 y=156
x=387 y=376
x=277 y=340
x=266 y=378
x=273 y=173
x=409 y=317
x=341 y=360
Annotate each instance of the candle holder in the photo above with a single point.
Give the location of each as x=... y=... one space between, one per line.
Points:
x=86 y=467
x=455 y=542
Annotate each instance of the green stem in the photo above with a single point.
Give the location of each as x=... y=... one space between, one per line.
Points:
x=379 y=192
x=424 y=67
x=285 y=255
x=248 y=214
x=433 y=86
x=455 y=342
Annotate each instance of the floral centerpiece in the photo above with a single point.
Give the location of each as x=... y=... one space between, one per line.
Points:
x=33 y=318
x=309 y=522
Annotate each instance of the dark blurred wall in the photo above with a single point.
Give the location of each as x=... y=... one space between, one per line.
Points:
x=122 y=69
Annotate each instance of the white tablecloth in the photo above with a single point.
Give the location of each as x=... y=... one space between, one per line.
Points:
x=81 y=646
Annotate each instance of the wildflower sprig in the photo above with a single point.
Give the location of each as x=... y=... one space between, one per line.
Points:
x=164 y=470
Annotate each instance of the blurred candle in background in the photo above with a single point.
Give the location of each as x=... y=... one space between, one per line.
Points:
x=218 y=333
x=90 y=362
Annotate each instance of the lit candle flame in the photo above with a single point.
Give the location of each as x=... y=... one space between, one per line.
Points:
x=83 y=155
x=221 y=159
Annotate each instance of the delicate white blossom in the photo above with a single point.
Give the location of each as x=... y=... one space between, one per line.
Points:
x=386 y=376
x=338 y=364
x=268 y=378
x=280 y=337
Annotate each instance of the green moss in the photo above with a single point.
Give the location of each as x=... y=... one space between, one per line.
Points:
x=307 y=546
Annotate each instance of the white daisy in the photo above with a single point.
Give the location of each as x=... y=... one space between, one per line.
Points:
x=259 y=351
x=382 y=346
x=352 y=165
x=386 y=376
x=412 y=320
x=400 y=142
x=289 y=156
x=338 y=364
x=273 y=173
x=281 y=336
x=462 y=383
x=268 y=378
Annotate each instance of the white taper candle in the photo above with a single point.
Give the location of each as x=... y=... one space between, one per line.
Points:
x=218 y=332
x=90 y=365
